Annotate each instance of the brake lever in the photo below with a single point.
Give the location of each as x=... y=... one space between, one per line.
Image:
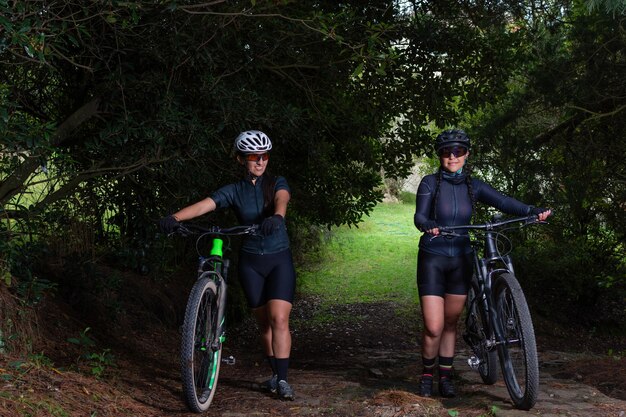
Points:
x=182 y=231
x=445 y=234
x=255 y=230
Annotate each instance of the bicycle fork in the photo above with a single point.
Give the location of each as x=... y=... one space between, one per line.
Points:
x=220 y=333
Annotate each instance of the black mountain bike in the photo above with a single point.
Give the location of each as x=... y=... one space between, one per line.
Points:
x=203 y=331
x=498 y=321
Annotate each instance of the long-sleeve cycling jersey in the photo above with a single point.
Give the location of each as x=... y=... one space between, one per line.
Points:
x=246 y=199
x=454 y=207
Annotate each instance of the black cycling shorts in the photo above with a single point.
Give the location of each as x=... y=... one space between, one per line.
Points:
x=439 y=275
x=267 y=277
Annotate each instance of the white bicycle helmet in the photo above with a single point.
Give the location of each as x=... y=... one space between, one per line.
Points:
x=252 y=141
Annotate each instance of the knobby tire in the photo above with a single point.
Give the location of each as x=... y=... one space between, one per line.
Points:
x=200 y=363
x=477 y=335
x=518 y=355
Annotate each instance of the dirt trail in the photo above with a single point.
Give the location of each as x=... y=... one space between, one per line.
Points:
x=365 y=362
x=349 y=360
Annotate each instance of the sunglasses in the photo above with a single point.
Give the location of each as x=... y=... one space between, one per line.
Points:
x=457 y=151
x=255 y=157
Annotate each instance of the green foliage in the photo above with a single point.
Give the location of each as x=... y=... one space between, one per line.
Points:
x=407 y=197
x=175 y=100
x=17 y=273
x=610 y=6
x=83 y=340
x=98 y=363
x=493 y=411
x=546 y=141
x=5 y=276
x=113 y=114
x=581 y=280
x=33 y=289
x=306 y=240
x=39 y=360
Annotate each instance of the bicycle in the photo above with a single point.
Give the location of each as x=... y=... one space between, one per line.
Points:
x=203 y=331
x=498 y=323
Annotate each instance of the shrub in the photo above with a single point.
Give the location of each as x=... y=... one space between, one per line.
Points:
x=574 y=279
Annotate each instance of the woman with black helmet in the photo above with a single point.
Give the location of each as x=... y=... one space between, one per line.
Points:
x=266 y=268
x=444 y=266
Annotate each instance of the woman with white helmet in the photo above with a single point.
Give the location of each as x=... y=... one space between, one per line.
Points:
x=266 y=268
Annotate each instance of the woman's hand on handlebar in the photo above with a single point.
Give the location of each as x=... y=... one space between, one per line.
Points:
x=544 y=215
x=430 y=227
x=434 y=232
x=169 y=224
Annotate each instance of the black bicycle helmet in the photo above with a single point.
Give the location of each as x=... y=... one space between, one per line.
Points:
x=452 y=137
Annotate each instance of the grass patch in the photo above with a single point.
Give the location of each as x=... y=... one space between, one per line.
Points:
x=372 y=263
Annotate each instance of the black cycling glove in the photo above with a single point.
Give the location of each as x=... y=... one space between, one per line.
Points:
x=427 y=225
x=271 y=224
x=168 y=224
x=536 y=211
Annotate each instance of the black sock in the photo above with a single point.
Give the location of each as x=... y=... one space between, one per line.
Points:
x=429 y=367
x=272 y=361
x=282 y=365
x=445 y=366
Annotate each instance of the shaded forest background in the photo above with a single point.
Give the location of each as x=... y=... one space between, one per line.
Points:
x=114 y=114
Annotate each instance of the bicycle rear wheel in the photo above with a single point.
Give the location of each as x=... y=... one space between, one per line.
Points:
x=200 y=361
x=518 y=353
x=477 y=336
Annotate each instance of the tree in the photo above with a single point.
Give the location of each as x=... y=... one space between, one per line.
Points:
x=547 y=140
x=154 y=94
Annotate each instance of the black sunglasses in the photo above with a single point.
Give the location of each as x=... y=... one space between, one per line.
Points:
x=457 y=151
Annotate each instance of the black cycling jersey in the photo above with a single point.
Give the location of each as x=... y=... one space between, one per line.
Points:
x=454 y=207
x=246 y=199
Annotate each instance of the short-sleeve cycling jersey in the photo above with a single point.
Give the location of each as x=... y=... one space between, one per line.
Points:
x=246 y=199
x=454 y=207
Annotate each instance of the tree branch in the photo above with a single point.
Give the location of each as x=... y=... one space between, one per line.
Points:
x=596 y=115
x=69 y=187
x=13 y=184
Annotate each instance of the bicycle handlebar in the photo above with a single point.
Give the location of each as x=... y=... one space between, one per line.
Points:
x=527 y=220
x=189 y=229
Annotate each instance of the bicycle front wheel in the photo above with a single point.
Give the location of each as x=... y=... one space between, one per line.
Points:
x=518 y=350
x=199 y=360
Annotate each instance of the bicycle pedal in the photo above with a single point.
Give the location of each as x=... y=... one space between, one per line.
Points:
x=229 y=360
x=473 y=362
